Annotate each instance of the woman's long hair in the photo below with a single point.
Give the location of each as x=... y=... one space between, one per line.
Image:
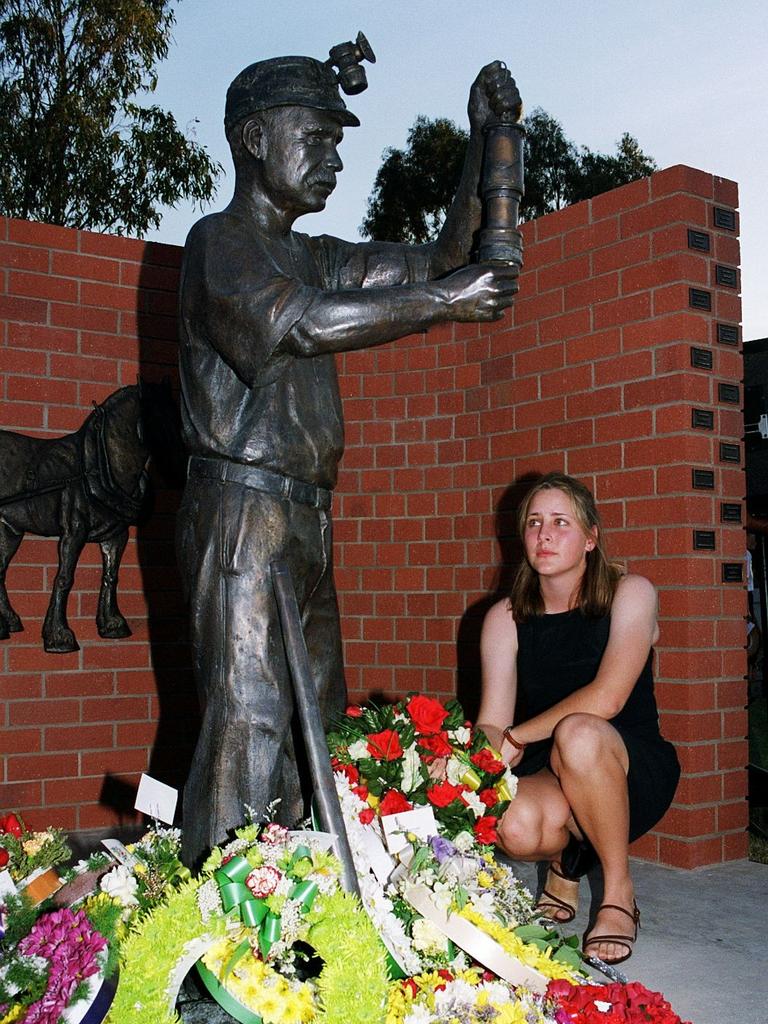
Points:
x=601 y=576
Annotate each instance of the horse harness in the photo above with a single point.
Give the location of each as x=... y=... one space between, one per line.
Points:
x=98 y=482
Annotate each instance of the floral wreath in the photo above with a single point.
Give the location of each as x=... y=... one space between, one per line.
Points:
x=420 y=752
x=193 y=923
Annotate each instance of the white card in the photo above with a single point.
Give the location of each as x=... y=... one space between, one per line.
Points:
x=156 y=799
x=380 y=861
x=420 y=821
x=119 y=852
x=7 y=886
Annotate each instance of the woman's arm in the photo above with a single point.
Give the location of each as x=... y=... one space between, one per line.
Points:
x=632 y=634
x=498 y=656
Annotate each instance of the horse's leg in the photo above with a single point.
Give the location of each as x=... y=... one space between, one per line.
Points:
x=109 y=619
x=9 y=544
x=58 y=638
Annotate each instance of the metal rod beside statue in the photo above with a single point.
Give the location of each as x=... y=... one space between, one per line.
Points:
x=308 y=707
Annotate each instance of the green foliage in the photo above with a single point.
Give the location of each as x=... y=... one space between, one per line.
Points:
x=564 y=949
x=49 y=849
x=20 y=915
x=414 y=186
x=76 y=148
x=21 y=978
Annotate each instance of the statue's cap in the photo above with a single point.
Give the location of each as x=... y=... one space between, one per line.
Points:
x=284 y=82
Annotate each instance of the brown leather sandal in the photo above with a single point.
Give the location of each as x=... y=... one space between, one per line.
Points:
x=627 y=941
x=549 y=904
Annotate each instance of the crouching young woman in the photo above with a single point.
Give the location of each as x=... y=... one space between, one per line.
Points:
x=568 y=698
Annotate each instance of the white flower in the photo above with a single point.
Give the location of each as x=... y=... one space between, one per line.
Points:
x=460 y=737
x=411 y=773
x=418 y=1015
x=208 y=900
x=498 y=992
x=511 y=781
x=456 y=994
x=427 y=938
x=359 y=750
x=474 y=803
x=120 y=884
x=484 y=903
x=454 y=769
x=464 y=842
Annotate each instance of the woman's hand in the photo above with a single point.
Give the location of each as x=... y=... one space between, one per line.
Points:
x=436 y=769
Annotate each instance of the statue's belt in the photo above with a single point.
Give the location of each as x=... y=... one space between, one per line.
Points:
x=265 y=480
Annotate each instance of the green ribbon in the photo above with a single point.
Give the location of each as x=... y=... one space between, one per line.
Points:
x=254 y=911
x=177 y=872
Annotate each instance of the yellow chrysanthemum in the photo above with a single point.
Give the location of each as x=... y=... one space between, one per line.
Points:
x=511 y=1013
x=269 y=1006
x=484 y=879
x=14 y=1014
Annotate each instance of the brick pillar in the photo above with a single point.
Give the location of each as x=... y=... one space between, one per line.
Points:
x=620 y=364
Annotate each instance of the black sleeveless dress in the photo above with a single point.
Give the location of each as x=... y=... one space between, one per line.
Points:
x=560 y=653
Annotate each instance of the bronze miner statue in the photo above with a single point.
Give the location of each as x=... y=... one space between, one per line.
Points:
x=264 y=310
x=87 y=486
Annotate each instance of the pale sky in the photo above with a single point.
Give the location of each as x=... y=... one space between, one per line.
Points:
x=687 y=78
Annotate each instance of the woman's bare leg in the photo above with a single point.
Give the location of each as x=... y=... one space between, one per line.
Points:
x=591 y=763
x=536 y=827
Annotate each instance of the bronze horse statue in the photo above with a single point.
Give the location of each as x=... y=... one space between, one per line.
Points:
x=86 y=486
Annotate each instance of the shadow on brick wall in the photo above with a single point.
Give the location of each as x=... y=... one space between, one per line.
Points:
x=177 y=712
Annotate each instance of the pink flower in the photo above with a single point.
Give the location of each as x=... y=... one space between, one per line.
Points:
x=263 y=881
x=274 y=834
x=66 y=938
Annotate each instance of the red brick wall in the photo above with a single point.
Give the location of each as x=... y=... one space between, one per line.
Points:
x=80 y=313
x=592 y=373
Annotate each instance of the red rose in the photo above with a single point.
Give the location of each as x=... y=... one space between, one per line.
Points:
x=4 y=857
x=354 y=711
x=11 y=824
x=361 y=791
x=489 y=797
x=485 y=830
x=367 y=815
x=486 y=762
x=426 y=714
x=384 y=745
x=393 y=803
x=443 y=793
x=437 y=744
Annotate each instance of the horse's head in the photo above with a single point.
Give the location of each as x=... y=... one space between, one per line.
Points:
x=119 y=451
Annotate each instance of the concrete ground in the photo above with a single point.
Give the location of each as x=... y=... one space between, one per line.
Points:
x=702 y=939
